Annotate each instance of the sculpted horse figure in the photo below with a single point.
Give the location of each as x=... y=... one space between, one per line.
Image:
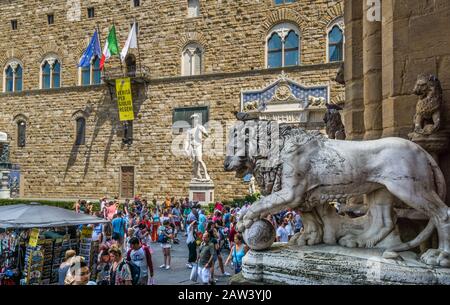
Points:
x=312 y=169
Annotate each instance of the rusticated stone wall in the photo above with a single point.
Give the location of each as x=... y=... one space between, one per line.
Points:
x=233 y=34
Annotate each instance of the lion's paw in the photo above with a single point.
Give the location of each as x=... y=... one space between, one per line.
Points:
x=436 y=257
x=348 y=241
x=306 y=238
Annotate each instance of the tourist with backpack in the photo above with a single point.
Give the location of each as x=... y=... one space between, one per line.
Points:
x=165 y=237
x=120 y=273
x=139 y=259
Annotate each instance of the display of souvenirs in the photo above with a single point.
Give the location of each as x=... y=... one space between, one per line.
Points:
x=9 y=243
x=34 y=265
x=88 y=250
x=47 y=248
x=9 y=250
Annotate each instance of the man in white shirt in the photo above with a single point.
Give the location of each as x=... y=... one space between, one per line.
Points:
x=282 y=233
x=140 y=256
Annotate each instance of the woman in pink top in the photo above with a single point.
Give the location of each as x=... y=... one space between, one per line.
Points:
x=218 y=206
x=110 y=210
x=217 y=216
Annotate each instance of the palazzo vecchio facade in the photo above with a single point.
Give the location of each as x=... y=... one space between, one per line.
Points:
x=212 y=57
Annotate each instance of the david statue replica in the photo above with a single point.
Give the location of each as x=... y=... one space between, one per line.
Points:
x=194 y=148
x=201 y=187
x=305 y=170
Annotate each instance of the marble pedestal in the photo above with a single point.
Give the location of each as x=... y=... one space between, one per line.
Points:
x=335 y=265
x=5 y=192
x=201 y=191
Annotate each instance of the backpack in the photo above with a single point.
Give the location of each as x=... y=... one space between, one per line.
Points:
x=134 y=270
x=162 y=238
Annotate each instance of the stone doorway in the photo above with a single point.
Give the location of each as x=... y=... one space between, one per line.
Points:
x=127 y=182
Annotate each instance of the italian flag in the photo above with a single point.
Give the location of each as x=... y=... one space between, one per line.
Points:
x=111 y=47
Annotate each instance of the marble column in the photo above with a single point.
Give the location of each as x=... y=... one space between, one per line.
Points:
x=353 y=70
x=372 y=69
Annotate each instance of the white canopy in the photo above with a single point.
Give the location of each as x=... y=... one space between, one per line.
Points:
x=35 y=215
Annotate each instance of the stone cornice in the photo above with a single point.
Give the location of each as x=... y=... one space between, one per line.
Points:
x=181 y=79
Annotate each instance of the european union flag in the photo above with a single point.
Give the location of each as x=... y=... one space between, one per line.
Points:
x=92 y=50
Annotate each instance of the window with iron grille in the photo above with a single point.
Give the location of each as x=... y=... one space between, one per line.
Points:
x=14 y=25
x=91 y=12
x=50 y=18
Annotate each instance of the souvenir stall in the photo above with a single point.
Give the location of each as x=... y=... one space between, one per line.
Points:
x=34 y=239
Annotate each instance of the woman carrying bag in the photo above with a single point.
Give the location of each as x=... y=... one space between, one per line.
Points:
x=237 y=253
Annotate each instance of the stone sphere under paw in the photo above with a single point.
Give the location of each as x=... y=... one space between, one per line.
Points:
x=260 y=235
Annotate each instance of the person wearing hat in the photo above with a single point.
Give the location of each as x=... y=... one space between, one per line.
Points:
x=64 y=267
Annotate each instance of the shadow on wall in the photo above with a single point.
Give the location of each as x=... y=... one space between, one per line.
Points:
x=106 y=111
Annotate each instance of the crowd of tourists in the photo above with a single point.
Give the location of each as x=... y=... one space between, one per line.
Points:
x=137 y=227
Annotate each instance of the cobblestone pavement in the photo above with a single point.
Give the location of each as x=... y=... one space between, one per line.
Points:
x=178 y=274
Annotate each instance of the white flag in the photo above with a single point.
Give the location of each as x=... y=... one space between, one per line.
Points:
x=130 y=43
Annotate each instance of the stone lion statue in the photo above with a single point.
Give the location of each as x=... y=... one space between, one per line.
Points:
x=428 y=109
x=333 y=123
x=309 y=170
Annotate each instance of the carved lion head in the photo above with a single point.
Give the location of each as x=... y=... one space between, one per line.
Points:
x=248 y=141
x=427 y=85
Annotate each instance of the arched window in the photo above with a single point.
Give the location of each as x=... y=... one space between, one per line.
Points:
x=18 y=79
x=9 y=79
x=51 y=73
x=56 y=75
x=80 y=131
x=96 y=72
x=13 y=77
x=46 y=76
x=91 y=75
x=193 y=8
x=86 y=75
x=130 y=61
x=283 y=45
x=21 y=133
x=335 y=37
x=192 y=60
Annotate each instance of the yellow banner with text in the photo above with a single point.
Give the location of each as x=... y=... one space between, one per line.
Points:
x=124 y=99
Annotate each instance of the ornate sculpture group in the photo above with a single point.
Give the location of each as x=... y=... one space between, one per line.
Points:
x=311 y=170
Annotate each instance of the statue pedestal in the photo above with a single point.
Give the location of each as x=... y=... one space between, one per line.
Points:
x=335 y=265
x=435 y=144
x=5 y=192
x=201 y=191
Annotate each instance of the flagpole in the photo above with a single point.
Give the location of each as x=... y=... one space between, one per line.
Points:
x=100 y=43
x=137 y=42
x=120 y=59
